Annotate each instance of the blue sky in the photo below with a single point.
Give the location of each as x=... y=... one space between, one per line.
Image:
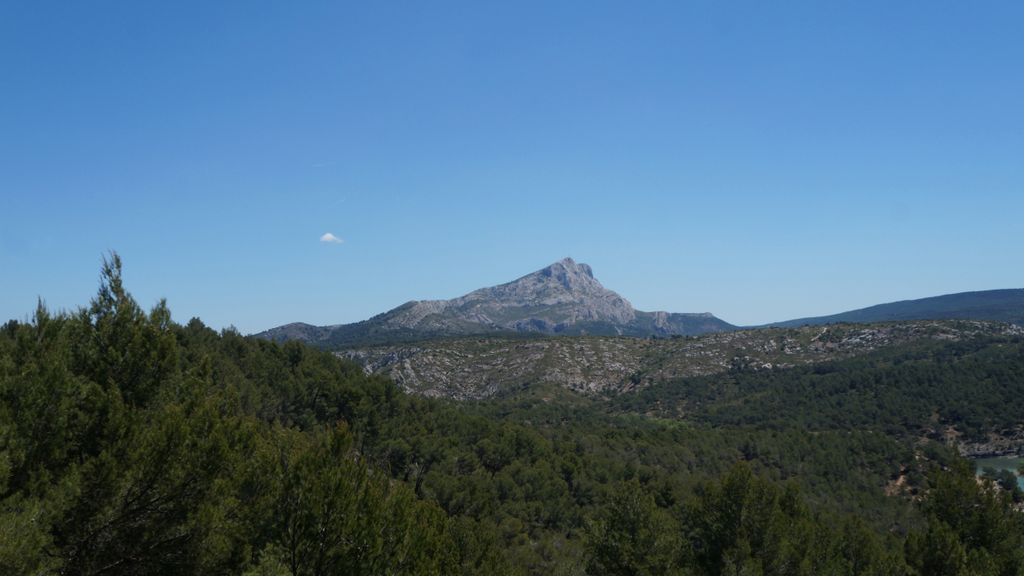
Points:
x=758 y=160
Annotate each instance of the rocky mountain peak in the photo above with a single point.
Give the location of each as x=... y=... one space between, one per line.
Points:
x=569 y=274
x=562 y=293
x=565 y=273
x=561 y=298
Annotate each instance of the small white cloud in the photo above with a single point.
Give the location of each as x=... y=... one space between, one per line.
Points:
x=331 y=239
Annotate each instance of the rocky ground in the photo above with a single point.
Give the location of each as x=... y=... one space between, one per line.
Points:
x=475 y=368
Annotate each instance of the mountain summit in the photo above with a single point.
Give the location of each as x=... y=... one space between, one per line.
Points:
x=563 y=293
x=562 y=298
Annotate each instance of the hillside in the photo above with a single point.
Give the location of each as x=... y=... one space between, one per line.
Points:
x=135 y=445
x=564 y=299
x=993 y=305
x=485 y=367
x=963 y=392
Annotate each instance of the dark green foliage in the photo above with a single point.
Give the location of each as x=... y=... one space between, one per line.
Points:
x=746 y=525
x=633 y=536
x=133 y=445
x=130 y=445
x=997 y=305
x=973 y=385
x=972 y=529
x=331 y=514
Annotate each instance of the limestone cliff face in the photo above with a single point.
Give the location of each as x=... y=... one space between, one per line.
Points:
x=564 y=298
x=556 y=297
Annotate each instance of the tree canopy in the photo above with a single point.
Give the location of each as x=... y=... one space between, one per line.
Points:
x=131 y=444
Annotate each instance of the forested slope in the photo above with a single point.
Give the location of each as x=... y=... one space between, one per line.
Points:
x=995 y=305
x=130 y=444
x=970 y=389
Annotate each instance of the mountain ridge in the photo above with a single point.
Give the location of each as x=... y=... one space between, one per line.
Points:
x=566 y=299
x=474 y=368
x=563 y=298
x=1001 y=305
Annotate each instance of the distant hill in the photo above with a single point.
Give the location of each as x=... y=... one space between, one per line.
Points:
x=992 y=305
x=476 y=368
x=561 y=299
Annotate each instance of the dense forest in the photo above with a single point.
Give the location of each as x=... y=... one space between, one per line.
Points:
x=912 y=390
x=131 y=444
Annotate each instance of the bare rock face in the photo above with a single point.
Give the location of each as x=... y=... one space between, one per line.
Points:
x=562 y=293
x=563 y=298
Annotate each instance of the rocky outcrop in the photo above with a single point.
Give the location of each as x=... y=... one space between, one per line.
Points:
x=474 y=368
x=564 y=298
x=562 y=294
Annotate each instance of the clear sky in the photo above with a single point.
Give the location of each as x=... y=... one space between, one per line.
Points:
x=758 y=160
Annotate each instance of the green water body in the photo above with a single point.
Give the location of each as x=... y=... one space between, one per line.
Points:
x=1001 y=463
